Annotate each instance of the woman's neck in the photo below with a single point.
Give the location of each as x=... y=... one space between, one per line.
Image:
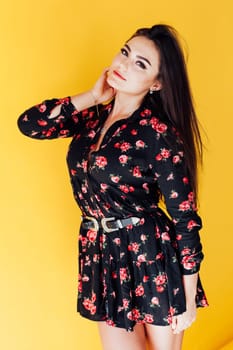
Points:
x=125 y=105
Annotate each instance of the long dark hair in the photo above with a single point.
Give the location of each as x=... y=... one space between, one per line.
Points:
x=175 y=95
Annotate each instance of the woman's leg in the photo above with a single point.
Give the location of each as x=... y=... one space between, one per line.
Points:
x=162 y=338
x=114 y=338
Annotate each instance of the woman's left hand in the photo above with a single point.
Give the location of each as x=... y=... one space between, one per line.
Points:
x=183 y=321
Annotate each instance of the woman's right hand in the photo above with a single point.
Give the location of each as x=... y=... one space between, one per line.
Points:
x=102 y=91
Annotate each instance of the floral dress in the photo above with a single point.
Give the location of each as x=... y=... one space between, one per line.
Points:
x=134 y=274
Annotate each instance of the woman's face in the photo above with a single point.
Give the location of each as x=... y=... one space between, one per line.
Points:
x=135 y=68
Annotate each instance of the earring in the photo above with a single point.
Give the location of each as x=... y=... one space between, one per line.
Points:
x=151 y=92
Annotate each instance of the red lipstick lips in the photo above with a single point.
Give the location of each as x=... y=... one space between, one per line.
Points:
x=118 y=75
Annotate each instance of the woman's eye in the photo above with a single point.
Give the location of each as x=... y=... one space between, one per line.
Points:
x=124 y=52
x=141 y=64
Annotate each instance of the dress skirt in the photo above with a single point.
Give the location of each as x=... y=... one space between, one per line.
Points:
x=132 y=275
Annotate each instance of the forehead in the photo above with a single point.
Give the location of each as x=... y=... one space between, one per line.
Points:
x=145 y=47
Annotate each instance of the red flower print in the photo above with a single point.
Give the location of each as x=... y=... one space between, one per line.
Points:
x=146 y=112
x=148 y=318
x=141 y=258
x=84 y=165
x=159 y=157
x=85 y=278
x=170 y=177
x=145 y=279
x=42 y=122
x=184 y=206
x=134 y=247
x=96 y=258
x=191 y=196
x=160 y=279
x=157 y=232
x=114 y=274
x=117 y=241
x=117 y=145
x=165 y=153
x=87 y=304
x=84 y=189
x=192 y=224
x=134 y=132
x=103 y=186
x=160 y=288
x=115 y=178
x=161 y=128
x=125 y=303
x=185 y=180
x=155 y=301
x=110 y=323
x=93 y=297
x=165 y=236
x=124 y=126
x=101 y=161
x=173 y=194
x=83 y=241
x=91 y=235
x=123 y=159
x=137 y=171
x=135 y=314
x=204 y=301
x=186 y=251
x=178 y=237
x=93 y=309
x=143 y=237
x=73 y=172
x=140 y=144
x=171 y=313
x=42 y=107
x=159 y=256
x=176 y=159
x=63 y=101
x=91 y=134
x=143 y=122
x=64 y=133
x=91 y=124
x=154 y=122
x=126 y=188
x=188 y=262
x=139 y=291
x=145 y=187
x=80 y=286
x=125 y=146
x=123 y=274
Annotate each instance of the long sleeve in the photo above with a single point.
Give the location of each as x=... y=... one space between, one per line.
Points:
x=169 y=165
x=37 y=123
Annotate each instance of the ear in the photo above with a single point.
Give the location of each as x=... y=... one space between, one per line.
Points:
x=156 y=86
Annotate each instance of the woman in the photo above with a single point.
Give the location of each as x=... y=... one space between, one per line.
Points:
x=138 y=267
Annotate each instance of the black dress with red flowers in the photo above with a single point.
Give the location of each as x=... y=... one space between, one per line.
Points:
x=134 y=274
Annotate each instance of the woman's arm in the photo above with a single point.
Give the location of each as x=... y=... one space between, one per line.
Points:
x=50 y=119
x=63 y=117
x=170 y=172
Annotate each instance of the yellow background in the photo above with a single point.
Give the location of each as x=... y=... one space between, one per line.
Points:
x=54 y=48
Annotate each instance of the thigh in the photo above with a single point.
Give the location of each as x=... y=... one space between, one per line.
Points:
x=162 y=338
x=114 y=338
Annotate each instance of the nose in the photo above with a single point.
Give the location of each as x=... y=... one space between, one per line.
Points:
x=123 y=64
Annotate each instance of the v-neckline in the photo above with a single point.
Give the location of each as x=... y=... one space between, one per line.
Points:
x=105 y=134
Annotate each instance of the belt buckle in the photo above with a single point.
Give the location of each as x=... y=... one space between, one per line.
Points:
x=104 y=225
x=95 y=222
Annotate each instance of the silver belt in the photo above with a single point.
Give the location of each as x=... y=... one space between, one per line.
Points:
x=108 y=224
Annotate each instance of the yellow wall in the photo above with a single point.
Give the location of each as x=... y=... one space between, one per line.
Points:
x=54 y=48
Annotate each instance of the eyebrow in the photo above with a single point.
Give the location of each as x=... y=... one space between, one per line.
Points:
x=141 y=57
